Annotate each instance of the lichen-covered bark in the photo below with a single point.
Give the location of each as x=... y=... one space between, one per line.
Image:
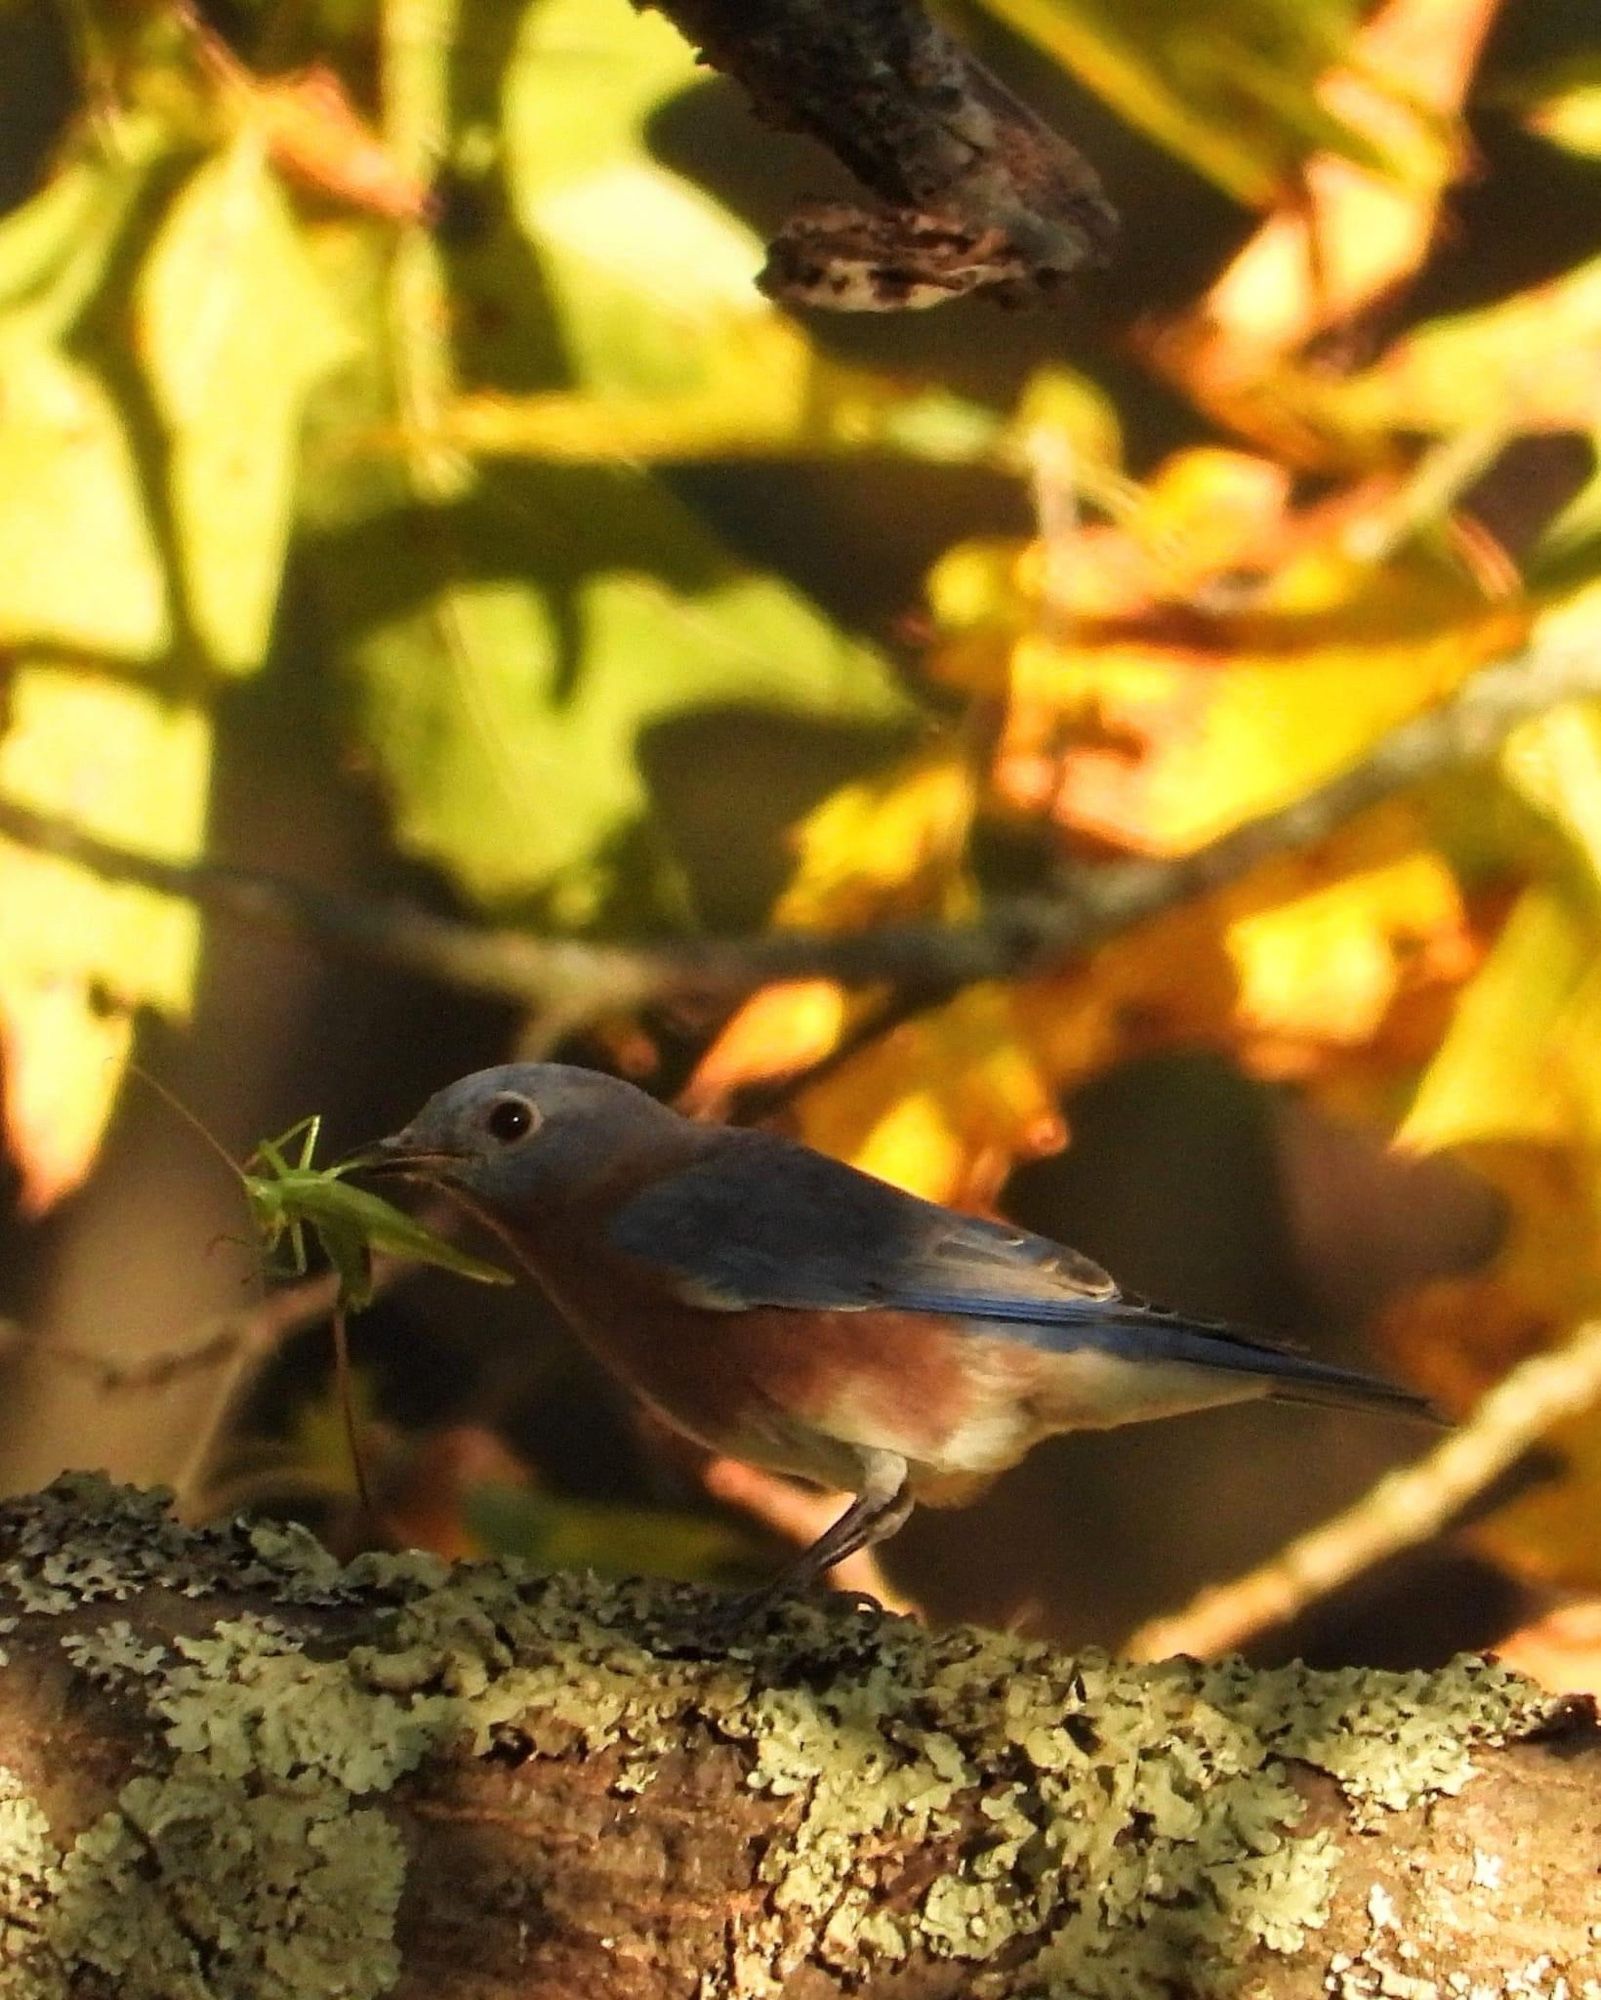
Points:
x=232 y=1770
x=973 y=192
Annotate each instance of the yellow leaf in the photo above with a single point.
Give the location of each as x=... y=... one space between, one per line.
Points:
x=1555 y=762
x=233 y=329
x=1562 y=103
x=976 y=597
x=1077 y=415
x=944 y=1106
x=883 y=846
x=1311 y=962
x=1321 y=971
x=778 y=1032
x=1351 y=232
x=78 y=955
x=1227 y=654
x=71 y=507
x=1209 y=512
x=1572 y=119
x=1528 y=363
x=72 y=499
x=1515 y=1094
x=1522 y=1057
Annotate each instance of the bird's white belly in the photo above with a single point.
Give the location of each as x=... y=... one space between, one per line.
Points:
x=1092 y=1390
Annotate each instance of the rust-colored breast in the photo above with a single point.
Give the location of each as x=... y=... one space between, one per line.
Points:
x=797 y=1390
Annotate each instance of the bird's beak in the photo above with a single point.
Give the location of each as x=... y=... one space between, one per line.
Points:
x=401 y=1154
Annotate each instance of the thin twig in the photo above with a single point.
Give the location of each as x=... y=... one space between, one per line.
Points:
x=569 y=983
x=236 y=1344
x=1403 y=1509
x=252 y=1333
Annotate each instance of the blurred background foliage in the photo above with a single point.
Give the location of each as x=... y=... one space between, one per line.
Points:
x=403 y=487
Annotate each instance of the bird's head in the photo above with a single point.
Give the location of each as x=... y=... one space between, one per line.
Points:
x=528 y=1133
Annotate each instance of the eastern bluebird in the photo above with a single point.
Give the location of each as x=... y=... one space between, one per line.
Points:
x=786 y=1309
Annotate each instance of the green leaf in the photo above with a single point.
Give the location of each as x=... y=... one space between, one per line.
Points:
x=649 y=276
x=776 y=399
x=515 y=636
x=507 y=709
x=157 y=333
x=674 y=352
x=72 y=509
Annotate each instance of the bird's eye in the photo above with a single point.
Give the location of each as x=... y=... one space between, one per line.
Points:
x=509 y=1119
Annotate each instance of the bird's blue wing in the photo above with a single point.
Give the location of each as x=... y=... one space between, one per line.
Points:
x=760 y=1221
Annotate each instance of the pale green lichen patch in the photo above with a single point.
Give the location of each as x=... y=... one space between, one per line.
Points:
x=1391 y=1739
x=291 y=1563
x=1143 y=1832
x=113 y=1653
x=29 y=1873
x=247 y=1870
x=84 y=1539
x=247 y=1699
x=196 y=1889
x=1107 y=1828
x=1147 y=1828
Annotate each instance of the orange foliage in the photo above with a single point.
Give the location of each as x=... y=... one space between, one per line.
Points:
x=315 y=136
x=1209 y=658
x=1347 y=234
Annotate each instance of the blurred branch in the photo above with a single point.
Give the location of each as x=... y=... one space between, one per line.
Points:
x=249 y=1334
x=977 y=194
x=233 y=1345
x=1405 y=1508
x=569 y=983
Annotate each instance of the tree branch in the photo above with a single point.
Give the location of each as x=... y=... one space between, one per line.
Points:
x=229 y=1766
x=976 y=193
x=568 y=983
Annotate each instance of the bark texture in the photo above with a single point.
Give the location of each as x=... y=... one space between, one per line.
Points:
x=230 y=1768
x=973 y=192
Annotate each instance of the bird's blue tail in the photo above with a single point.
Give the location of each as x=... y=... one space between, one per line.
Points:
x=1148 y=1333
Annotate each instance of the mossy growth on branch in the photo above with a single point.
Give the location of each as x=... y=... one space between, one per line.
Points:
x=1114 y=1825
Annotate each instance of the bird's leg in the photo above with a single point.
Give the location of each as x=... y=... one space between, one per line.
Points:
x=879 y=1510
